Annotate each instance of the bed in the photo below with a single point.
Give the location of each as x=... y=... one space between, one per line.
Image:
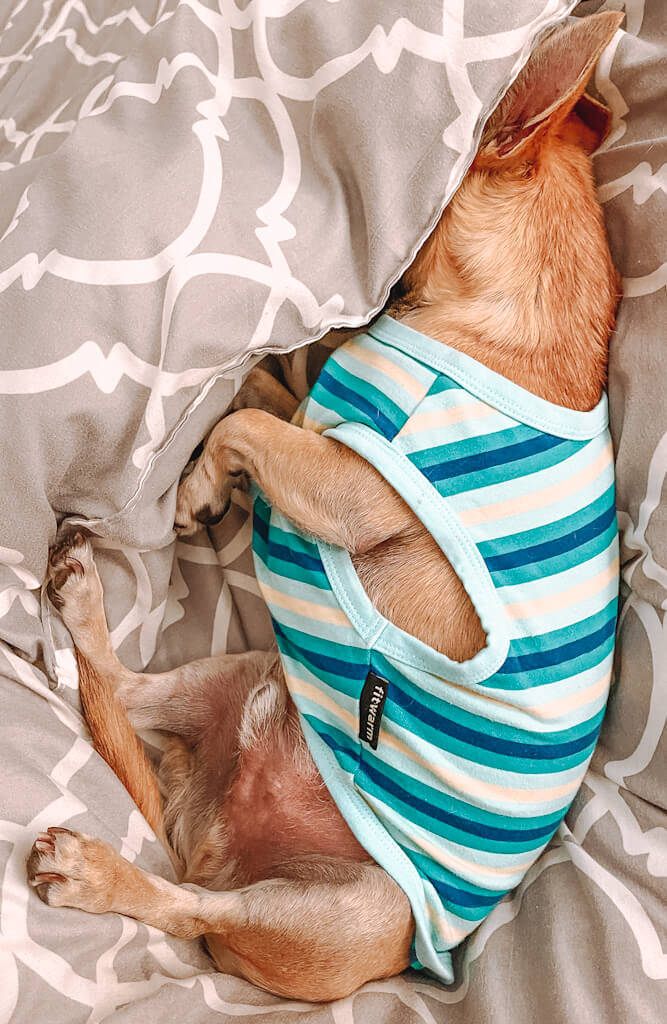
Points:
x=186 y=187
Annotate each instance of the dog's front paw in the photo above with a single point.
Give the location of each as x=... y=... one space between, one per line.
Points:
x=201 y=500
x=68 y=869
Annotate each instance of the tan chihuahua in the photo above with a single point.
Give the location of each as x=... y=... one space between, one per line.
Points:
x=516 y=275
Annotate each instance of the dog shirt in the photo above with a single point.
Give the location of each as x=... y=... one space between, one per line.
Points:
x=453 y=776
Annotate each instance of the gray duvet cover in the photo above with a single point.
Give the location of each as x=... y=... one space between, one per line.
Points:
x=186 y=186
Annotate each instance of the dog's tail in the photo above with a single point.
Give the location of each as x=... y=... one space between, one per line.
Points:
x=116 y=741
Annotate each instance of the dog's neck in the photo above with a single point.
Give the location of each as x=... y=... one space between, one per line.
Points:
x=518 y=275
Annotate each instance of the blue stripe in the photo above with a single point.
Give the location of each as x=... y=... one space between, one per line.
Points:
x=260 y=521
x=468 y=893
x=579 y=517
x=374 y=416
x=461 y=898
x=532 y=571
x=456 y=900
x=499 y=458
x=554 y=673
x=381 y=787
x=335 y=668
x=336 y=740
x=283 y=553
x=549 y=549
x=548 y=750
x=406 y=694
x=557 y=655
x=458 y=809
x=495 y=442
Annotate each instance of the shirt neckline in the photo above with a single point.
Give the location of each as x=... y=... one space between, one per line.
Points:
x=491 y=387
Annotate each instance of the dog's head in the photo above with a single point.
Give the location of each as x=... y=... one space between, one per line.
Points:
x=520 y=252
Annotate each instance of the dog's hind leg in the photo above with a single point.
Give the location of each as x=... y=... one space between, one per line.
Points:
x=318 y=935
x=183 y=701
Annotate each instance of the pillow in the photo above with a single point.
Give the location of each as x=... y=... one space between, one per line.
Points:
x=185 y=188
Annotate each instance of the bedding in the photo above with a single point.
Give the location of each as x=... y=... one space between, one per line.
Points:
x=186 y=187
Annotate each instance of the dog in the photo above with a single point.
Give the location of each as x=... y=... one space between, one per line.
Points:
x=286 y=809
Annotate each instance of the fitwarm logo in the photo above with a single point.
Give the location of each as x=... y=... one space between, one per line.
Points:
x=371 y=706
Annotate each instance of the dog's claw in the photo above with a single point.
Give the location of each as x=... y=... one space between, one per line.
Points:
x=45 y=877
x=44 y=845
x=71 y=540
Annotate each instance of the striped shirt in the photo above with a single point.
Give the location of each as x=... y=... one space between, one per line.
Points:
x=452 y=775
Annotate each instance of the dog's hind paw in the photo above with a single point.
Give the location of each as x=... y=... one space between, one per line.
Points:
x=68 y=869
x=74 y=587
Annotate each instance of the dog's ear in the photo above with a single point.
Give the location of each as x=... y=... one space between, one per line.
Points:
x=595 y=121
x=548 y=89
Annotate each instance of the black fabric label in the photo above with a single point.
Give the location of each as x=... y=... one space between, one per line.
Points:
x=371 y=706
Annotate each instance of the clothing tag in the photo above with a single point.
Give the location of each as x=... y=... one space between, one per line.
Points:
x=371 y=706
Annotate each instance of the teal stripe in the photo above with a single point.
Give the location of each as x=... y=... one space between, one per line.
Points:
x=371 y=394
x=435 y=873
x=532 y=766
x=275 y=559
x=478 y=723
x=559 y=637
x=430 y=868
x=579 y=572
x=444 y=383
x=493 y=441
x=550 y=531
x=553 y=673
x=289 y=571
x=259 y=548
x=508 y=471
x=462 y=808
x=557 y=564
x=345 y=410
x=311 y=651
x=338 y=741
x=440 y=828
x=320 y=414
x=298 y=541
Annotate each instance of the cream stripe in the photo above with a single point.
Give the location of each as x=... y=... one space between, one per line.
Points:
x=316 y=696
x=553 y=602
x=574 y=700
x=385 y=366
x=457 y=782
x=308 y=609
x=449 y=860
x=477 y=788
x=443 y=417
x=445 y=929
x=526 y=502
